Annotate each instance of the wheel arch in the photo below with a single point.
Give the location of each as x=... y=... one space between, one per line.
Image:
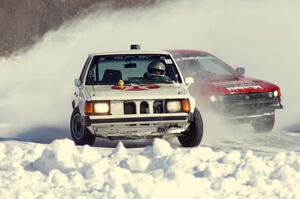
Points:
x=193 y=103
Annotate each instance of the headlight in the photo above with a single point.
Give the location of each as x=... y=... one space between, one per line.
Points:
x=275 y=93
x=102 y=108
x=213 y=98
x=174 y=106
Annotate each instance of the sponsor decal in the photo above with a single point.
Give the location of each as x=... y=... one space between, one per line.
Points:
x=235 y=86
x=141 y=87
x=168 y=61
x=242 y=87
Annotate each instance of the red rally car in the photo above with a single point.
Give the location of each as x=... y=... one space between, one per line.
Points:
x=228 y=91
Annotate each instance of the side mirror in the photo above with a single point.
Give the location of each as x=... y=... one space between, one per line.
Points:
x=240 y=70
x=77 y=82
x=188 y=81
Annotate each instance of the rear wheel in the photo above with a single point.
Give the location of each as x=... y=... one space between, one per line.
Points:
x=194 y=134
x=264 y=124
x=80 y=134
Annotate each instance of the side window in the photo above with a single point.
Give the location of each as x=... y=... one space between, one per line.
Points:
x=81 y=78
x=92 y=74
x=191 y=68
x=185 y=68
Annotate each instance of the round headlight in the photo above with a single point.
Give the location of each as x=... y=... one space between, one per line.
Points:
x=275 y=93
x=213 y=98
x=173 y=106
x=101 y=107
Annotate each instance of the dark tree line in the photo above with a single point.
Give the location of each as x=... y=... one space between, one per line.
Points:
x=23 y=22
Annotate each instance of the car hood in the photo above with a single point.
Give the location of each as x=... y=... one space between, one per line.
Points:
x=129 y=92
x=233 y=85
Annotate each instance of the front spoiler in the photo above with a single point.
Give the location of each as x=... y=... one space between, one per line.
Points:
x=138 y=132
x=249 y=116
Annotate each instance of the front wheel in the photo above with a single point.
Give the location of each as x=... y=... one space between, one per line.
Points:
x=264 y=124
x=80 y=134
x=193 y=136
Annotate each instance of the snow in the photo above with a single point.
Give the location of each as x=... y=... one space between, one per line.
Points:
x=38 y=159
x=61 y=168
x=161 y=148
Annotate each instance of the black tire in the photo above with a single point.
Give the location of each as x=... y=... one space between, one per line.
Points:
x=264 y=124
x=194 y=134
x=80 y=134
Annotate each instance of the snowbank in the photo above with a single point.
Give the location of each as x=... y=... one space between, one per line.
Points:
x=158 y=171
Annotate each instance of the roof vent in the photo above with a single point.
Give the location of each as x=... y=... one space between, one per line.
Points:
x=135 y=47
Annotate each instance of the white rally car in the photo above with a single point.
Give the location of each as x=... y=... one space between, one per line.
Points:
x=133 y=95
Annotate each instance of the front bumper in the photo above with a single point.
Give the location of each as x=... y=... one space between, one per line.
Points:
x=137 y=119
x=247 y=106
x=138 y=126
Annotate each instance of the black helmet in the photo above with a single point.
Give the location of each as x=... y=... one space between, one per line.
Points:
x=156 y=69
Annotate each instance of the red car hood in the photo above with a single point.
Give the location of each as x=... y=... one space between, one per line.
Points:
x=232 y=85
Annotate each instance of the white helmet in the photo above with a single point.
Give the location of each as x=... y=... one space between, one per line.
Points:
x=156 y=69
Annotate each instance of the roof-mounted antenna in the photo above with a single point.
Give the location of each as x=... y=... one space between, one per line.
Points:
x=135 y=47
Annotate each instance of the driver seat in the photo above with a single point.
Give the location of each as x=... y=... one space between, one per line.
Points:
x=111 y=77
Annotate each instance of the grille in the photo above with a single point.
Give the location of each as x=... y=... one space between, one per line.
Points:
x=144 y=107
x=249 y=97
x=129 y=108
x=158 y=106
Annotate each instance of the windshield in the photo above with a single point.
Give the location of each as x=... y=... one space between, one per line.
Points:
x=203 y=66
x=132 y=69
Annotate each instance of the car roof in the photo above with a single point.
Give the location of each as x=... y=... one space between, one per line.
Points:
x=131 y=52
x=173 y=52
x=187 y=52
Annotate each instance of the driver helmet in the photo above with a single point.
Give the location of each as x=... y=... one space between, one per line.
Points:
x=156 y=69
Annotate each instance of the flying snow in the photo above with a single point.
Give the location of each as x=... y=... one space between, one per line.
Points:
x=36 y=89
